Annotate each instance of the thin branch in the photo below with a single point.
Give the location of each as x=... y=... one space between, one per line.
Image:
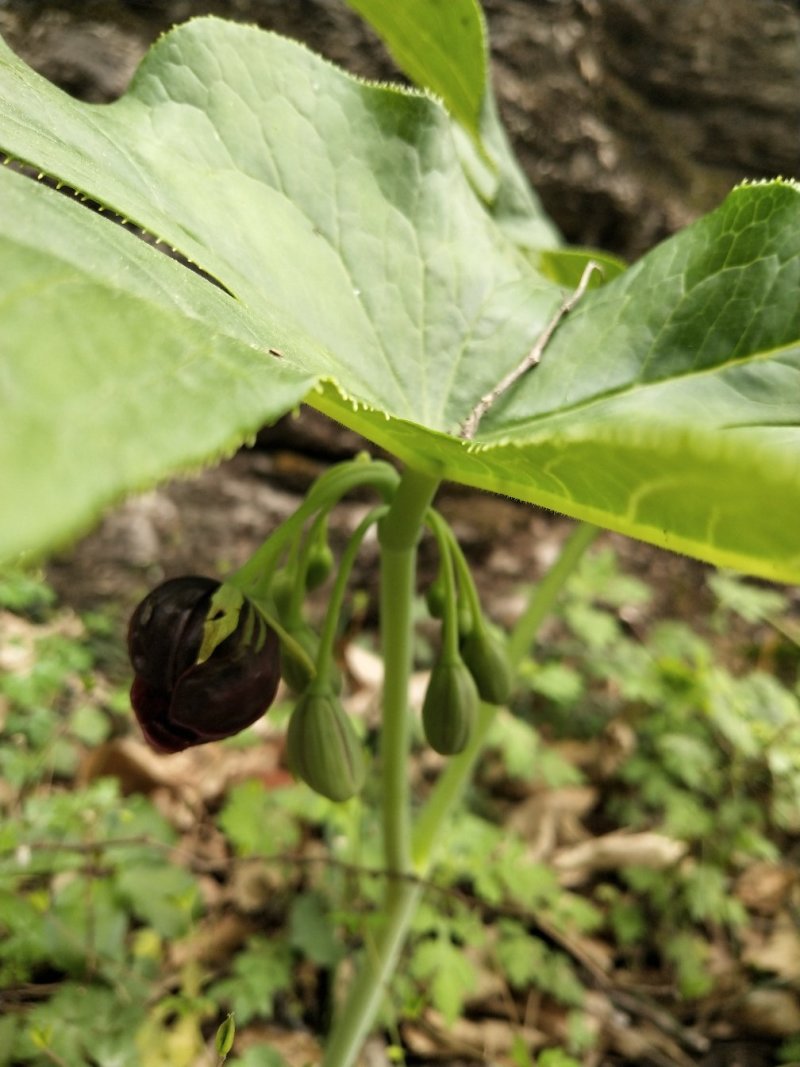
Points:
x=469 y=426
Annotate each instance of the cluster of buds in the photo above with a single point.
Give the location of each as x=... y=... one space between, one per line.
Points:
x=190 y=688
x=472 y=665
x=208 y=656
x=207 y=660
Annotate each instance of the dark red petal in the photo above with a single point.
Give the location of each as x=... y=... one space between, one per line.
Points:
x=151 y=707
x=179 y=702
x=228 y=692
x=166 y=629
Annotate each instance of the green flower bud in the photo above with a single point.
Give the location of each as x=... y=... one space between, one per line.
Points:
x=435 y=598
x=450 y=707
x=466 y=623
x=281 y=592
x=484 y=652
x=320 y=565
x=225 y=1036
x=323 y=747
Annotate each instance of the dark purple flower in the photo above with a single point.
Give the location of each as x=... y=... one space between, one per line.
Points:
x=180 y=702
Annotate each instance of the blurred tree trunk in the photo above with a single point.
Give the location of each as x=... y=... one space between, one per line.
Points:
x=634 y=117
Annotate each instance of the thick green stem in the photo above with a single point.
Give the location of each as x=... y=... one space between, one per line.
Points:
x=398 y=544
x=399 y=533
x=369 y=988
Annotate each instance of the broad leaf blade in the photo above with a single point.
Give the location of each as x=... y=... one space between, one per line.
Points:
x=340 y=210
x=668 y=405
x=441 y=46
x=301 y=188
x=689 y=337
x=119 y=367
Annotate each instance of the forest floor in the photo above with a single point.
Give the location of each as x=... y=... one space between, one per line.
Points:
x=636 y=817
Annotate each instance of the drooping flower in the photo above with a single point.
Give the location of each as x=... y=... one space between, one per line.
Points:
x=180 y=702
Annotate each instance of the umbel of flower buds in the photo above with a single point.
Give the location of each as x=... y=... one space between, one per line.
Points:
x=181 y=702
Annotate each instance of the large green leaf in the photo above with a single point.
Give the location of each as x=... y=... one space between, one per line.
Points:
x=441 y=45
x=338 y=217
x=118 y=366
x=311 y=197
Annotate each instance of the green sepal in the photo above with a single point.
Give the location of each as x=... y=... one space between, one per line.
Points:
x=450 y=708
x=323 y=747
x=226 y=1032
x=435 y=597
x=222 y=619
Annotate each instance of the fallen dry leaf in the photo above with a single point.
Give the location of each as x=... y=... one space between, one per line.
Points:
x=600 y=757
x=615 y=850
x=254 y=886
x=764 y=886
x=199 y=776
x=778 y=951
x=19 y=638
x=488 y=1040
x=644 y=1043
x=297 y=1047
x=214 y=942
x=770 y=1012
x=552 y=817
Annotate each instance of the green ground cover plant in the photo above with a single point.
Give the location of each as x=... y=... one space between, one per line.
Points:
x=375 y=252
x=97 y=886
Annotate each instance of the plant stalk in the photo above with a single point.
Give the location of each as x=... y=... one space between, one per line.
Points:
x=398 y=559
x=544 y=593
x=255 y=576
x=399 y=533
